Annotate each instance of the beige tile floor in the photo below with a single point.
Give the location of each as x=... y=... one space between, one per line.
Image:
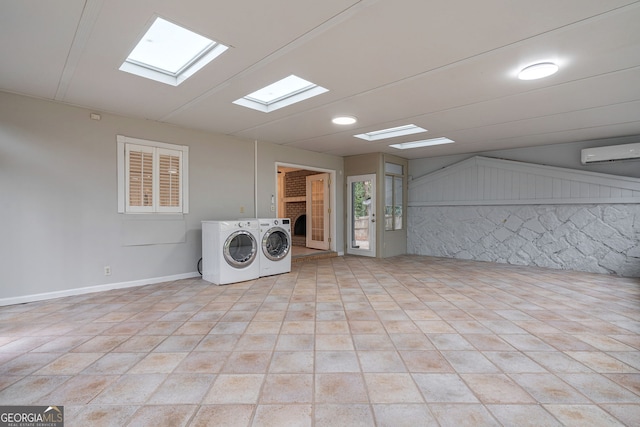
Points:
x=297 y=251
x=348 y=341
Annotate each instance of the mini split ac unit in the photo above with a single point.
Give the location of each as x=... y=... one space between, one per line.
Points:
x=611 y=153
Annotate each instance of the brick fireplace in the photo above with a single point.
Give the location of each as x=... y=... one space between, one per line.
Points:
x=295 y=205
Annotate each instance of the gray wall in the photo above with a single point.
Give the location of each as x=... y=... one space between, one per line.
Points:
x=600 y=237
x=60 y=225
x=560 y=155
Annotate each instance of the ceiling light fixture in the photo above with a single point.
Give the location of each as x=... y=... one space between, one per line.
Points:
x=390 y=133
x=423 y=143
x=538 y=71
x=344 y=120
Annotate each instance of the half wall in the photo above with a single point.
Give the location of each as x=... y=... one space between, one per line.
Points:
x=526 y=214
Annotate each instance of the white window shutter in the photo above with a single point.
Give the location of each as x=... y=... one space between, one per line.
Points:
x=169 y=185
x=153 y=176
x=140 y=194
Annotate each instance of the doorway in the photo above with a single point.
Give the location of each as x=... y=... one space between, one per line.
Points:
x=306 y=196
x=361 y=221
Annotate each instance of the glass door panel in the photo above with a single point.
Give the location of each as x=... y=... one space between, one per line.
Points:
x=318 y=211
x=362 y=215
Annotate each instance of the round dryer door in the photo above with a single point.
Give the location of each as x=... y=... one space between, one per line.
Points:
x=276 y=243
x=240 y=249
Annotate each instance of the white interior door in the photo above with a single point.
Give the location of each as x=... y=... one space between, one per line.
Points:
x=361 y=223
x=318 y=211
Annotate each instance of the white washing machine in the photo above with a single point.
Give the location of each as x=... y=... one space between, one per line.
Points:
x=230 y=251
x=275 y=246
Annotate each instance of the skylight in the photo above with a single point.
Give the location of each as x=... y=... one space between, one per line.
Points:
x=284 y=92
x=170 y=54
x=423 y=143
x=390 y=133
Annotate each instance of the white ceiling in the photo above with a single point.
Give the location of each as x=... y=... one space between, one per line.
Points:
x=448 y=66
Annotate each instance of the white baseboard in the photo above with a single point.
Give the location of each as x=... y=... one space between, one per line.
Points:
x=97 y=288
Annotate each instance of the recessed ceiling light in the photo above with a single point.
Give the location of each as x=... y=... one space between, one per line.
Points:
x=284 y=92
x=170 y=54
x=423 y=143
x=538 y=71
x=390 y=133
x=344 y=120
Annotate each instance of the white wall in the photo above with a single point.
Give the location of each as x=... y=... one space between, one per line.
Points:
x=59 y=218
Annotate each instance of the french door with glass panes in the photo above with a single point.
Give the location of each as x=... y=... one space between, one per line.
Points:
x=361 y=208
x=318 y=211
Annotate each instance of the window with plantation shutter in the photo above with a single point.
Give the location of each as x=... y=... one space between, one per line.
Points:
x=169 y=177
x=139 y=178
x=152 y=176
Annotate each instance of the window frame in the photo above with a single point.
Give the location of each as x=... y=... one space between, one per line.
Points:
x=394 y=175
x=188 y=69
x=283 y=100
x=124 y=145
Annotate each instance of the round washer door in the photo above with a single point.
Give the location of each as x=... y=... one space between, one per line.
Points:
x=240 y=249
x=276 y=243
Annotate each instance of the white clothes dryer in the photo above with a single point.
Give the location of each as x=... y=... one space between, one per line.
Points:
x=230 y=251
x=275 y=246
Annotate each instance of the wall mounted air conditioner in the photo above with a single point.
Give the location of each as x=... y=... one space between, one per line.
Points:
x=611 y=153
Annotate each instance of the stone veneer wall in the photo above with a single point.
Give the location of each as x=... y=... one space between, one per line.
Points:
x=598 y=238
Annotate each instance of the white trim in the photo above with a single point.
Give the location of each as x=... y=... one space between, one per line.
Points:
x=122 y=176
x=184 y=194
x=150 y=143
x=255 y=178
x=97 y=288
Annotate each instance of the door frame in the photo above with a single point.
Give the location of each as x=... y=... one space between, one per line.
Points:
x=333 y=233
x=371 y=252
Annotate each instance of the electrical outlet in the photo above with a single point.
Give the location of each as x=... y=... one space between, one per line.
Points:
x=107 y=270
x=273 y=208
x=241 y=209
